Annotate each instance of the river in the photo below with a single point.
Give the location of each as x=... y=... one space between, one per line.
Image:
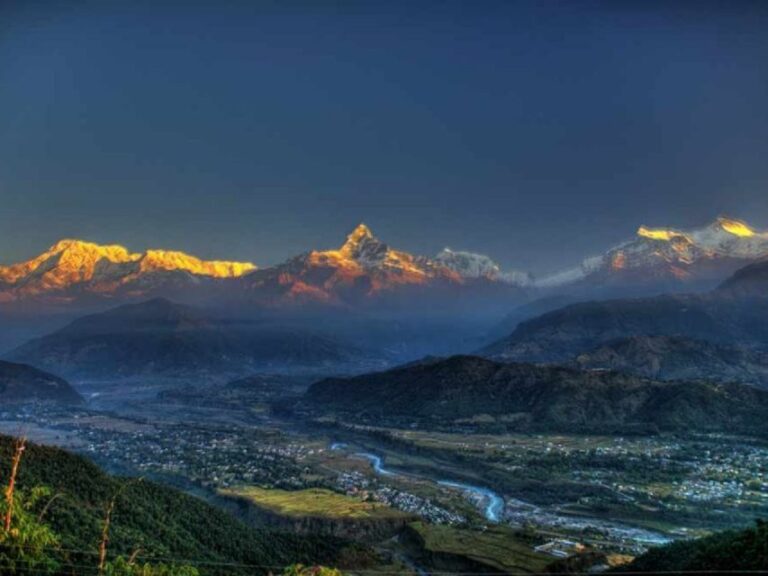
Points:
x=492 y=503
x=495 y=508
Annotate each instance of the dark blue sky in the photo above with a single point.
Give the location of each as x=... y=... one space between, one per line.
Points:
x=536 y=132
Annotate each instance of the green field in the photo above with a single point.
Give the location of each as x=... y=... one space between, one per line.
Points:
x=498 y=548
x=312 y=502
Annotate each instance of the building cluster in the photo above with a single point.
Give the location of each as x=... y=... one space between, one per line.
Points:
x=357 y=484
x=209 y=458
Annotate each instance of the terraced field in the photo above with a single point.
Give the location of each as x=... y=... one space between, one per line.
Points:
x=312 y=502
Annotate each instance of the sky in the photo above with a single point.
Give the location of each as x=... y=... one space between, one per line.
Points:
x=536 y=132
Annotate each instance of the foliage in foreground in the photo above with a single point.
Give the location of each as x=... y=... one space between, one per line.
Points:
x=29 y=545
x=57 y=530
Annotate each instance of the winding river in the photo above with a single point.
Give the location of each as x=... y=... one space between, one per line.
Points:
x=494 y=507
x=492 y=503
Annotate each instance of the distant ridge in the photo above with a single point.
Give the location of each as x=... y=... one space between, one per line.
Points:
x=750 y=281
x=161 y=337
x=678 y=358
x=20 y=383
x=735 y=314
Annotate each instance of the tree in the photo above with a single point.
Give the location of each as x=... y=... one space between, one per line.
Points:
x=28 y=546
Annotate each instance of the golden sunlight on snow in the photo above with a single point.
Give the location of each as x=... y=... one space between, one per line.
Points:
x=736 y=227
x=657 y=233
x=71 y=262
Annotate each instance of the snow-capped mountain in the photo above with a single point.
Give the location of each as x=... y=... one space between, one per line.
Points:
x=666 y=257
x=472 y=265
x=364 y=267
x=73 y=269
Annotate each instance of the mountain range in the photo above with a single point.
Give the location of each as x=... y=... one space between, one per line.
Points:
x=663 y=259
x=73 y=270
x=364 y=269
x=76 y=272
x=378 y=297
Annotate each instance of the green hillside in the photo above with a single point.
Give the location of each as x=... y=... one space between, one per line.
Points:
x=743 y=550
x=160 y=522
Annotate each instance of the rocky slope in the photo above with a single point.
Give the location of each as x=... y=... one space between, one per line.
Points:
x=471 y=391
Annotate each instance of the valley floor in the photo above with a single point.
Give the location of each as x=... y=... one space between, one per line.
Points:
x=544 y=494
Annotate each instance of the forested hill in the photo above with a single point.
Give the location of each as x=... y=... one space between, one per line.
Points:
x=471 y=391
x=162 y=523
x=20 y=383
x=743 y=551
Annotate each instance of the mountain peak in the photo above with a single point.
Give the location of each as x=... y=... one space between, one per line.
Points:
x=731 y=226
x=468 y=264
x=81 y=248
x=735 y=227
x=701 y=255
x=360 y=234
x=361 y=243
x=472 y=265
